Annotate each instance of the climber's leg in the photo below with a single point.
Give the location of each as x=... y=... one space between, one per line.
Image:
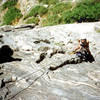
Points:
x=75 y=60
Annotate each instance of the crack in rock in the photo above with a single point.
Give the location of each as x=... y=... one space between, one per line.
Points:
x=41 y=58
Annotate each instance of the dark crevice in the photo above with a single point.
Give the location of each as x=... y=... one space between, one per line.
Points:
x=26 y=26
x=56 y=51
x=6 y=55
x=41 y=58
x=45 y=41
x=8 y=59
x=2 y=83
x=1 y=73
x=75 y=60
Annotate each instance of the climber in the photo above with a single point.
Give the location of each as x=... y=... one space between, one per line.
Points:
x=82 y=52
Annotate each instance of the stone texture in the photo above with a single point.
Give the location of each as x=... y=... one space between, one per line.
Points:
x=35 y=81
x=26 y=5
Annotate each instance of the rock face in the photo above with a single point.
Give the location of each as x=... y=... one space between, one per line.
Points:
x=33 y=81
x=26 y=5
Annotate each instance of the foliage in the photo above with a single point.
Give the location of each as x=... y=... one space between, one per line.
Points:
x=59 y=8
x=37 y=10
x=31 y=20
x=12 y=14
x=61 y=13
x=84 y=12
x=54 y=14
x=9 y=4
x=88 y=2
x=49 y=2
x=51 y=20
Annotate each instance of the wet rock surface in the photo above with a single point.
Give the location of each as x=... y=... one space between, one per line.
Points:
x=26 y=79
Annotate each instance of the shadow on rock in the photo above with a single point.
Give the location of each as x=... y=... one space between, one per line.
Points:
x=76 y=60
x=6 y=55
x=41 y=58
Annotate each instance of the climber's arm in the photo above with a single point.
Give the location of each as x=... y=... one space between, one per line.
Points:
x=88 y=48
x=77 y=48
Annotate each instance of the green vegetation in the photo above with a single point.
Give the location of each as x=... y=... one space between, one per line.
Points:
x=31 y=20
x=48 y=2
x=84 y=12
x=37 y=10
x=59 y=8
x=54 y=14
x=51 y=20
x=9 y=4
x=11 y=14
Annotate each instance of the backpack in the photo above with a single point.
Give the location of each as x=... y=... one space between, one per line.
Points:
x=83 y=54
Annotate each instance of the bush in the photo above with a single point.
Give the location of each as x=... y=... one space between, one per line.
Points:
x=51 y=20
x=12 y=14
x=49 y=2
x=54 y=14
x=42 y=10
x=88 y=2
x=9 y=4
x=31 y=20
x=84 y=12
x=38 y=10
x=59 y=8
